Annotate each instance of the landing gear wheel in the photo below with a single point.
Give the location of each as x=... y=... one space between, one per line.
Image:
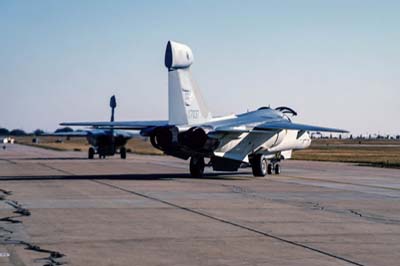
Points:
x=259 y=165
x=91 y=153
x=277 y=169
x=122 y=152
x=197 y=166
x=269 y=169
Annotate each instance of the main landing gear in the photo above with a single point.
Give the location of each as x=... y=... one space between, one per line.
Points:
x=197 y=165
x=122 y=152
x=103 y=154
x=91 y=153
x=261 y=167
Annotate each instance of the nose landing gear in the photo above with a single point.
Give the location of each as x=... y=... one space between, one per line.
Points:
x=277 y=169
x=261 y=167
x=274 y=168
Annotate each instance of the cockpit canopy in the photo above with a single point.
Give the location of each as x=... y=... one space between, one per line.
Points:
x=286 y=110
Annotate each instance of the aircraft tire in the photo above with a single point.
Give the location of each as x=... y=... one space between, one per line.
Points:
x=197 y=166
x=122 y=152
x=91 y=153
x=269 y=169
x=259 y=165
x=277 y=169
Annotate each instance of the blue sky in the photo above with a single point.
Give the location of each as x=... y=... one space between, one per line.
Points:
x=337 y=63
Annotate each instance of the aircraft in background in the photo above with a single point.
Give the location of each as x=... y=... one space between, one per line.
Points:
x=258 y=139
x=7 y=140
x=103 y=141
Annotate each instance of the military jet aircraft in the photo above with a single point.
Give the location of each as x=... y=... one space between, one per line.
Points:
x=103 y=141
x=258 y=139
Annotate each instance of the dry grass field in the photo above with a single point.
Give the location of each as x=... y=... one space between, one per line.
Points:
x=139 y=146
x=382 y=153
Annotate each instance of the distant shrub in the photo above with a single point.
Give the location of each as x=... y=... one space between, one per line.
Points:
x=4 y=131
x=17 y=132
x=64 y=129
x=38 y=132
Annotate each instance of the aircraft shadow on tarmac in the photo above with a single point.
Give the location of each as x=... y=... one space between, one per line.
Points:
x=166 y=177
x=47 y=158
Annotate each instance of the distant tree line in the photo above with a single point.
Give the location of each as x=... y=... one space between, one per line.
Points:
x=14 y=132
x=351 y=136
x=4 y=132
x=37 y=132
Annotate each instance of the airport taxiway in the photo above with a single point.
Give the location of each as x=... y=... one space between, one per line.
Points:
x=146 y=210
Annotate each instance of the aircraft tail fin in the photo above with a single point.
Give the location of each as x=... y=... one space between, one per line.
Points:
x=185 y=103
x=113 y=105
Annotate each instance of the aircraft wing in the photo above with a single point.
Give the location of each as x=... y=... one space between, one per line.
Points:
x=133 y=125
x=92 y=132
x=284 y=124
x=67 y=134
x=278 y=125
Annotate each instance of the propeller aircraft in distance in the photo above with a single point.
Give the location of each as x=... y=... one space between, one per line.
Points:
x=103 y=141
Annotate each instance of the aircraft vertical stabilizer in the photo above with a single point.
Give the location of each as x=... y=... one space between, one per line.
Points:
x=113 y=105
x=185 y=103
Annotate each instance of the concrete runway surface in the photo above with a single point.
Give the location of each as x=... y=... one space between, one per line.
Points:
x=59 y=208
